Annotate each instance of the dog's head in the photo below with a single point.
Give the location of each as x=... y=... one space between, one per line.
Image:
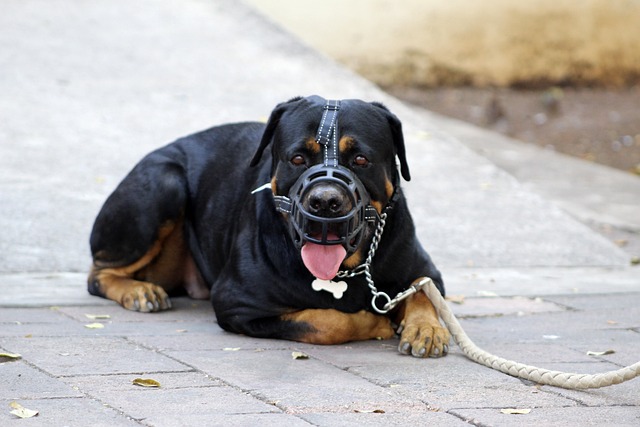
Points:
x=333 y=173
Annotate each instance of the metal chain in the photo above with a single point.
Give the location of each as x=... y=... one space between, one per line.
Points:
x=365 y=268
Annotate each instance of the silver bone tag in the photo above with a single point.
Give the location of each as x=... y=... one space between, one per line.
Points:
x=336 y=288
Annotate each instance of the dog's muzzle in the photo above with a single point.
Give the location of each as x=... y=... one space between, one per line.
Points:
x=347 y=228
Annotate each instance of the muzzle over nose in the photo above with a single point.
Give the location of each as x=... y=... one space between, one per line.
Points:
x=326 y=200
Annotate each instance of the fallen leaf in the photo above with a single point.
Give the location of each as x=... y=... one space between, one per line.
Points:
x=514 y=411
x=146 y=382
x=231 y=349
x=98 y=316
x=94 y=326
x=599 y=353
x=551 y=337
x=299 y=355
x=369 y=411
x=22 y=412
x=485 y=185
x=423 y=134
x=487 y=294
x=13 y=356
x=456 y=299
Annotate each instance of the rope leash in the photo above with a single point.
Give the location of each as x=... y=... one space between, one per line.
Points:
x=519 y=370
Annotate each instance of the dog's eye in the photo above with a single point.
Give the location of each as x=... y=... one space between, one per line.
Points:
x=297 y=160
x=360 y=160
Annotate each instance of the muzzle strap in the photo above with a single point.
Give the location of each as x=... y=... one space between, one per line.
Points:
x=327 y=135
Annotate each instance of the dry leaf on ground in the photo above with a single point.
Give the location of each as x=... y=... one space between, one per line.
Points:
x=13 y=356
x=515 y=411
x=98 y=316
x=299 y=355
x=600 y=353
x=94 y=326
x=22 y=412
x=455 y=299
x=145 y=382
x=490 y=294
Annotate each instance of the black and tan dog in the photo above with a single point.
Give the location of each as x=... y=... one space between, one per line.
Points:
x=196 y=215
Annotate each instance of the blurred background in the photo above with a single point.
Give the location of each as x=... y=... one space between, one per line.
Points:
x=562 y=74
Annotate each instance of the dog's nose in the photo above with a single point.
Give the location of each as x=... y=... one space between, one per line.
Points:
x=328 y=201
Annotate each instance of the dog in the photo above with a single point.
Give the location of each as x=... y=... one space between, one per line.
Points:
x=296 y=229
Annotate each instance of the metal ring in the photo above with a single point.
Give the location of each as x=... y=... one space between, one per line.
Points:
x=384 y=309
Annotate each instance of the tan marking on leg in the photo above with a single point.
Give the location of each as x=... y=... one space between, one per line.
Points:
x=274 y=185
x=422 y=334
x=142 y=285
x=329 y=326
x=167 y=269
x=132 y=294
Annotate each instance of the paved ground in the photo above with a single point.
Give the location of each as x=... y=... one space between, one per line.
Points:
x=88 y=87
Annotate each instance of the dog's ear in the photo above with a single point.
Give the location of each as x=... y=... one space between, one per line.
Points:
x=272 y=124
x=398 y=140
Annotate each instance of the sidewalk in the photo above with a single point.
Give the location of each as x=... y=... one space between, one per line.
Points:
x=90 y=87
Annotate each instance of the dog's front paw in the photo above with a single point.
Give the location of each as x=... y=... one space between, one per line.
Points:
x=423 y=340
x=421 y=334
x=145 y=297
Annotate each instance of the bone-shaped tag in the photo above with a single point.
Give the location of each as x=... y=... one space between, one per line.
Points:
x=336 y=288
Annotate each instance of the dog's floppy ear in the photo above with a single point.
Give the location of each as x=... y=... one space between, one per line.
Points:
x=272 y=124
x=398 y=140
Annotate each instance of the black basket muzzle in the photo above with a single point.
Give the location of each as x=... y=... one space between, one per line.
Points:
x=348 y=229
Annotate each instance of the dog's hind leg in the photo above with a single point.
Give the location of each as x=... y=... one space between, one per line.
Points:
x=123 y=284
x=138 y=246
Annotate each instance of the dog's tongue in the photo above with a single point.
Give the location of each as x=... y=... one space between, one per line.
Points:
x=323 y=261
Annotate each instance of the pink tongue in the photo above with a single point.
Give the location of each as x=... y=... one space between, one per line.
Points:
x=323 y=261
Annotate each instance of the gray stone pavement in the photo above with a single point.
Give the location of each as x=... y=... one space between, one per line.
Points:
x=88 y=87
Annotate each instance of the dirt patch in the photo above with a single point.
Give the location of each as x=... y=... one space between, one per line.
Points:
x=595 y=124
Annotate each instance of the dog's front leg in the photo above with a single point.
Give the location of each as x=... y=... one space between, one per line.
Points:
x=422 y=335
x=329 y=326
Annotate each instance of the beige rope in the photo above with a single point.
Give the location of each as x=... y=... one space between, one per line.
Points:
x=532 y=373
